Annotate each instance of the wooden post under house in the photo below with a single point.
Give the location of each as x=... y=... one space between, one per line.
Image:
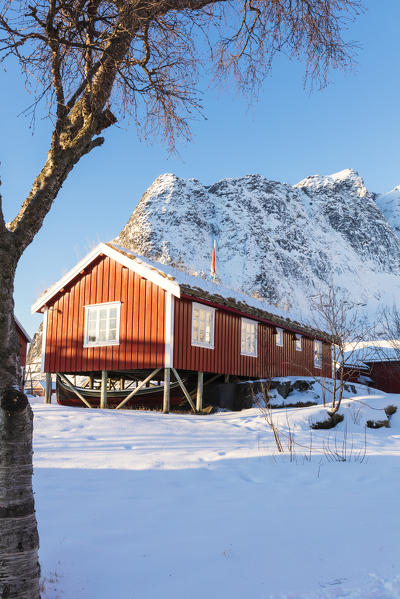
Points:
x=103 y=393
x=167 y=382
x=48 y=388
x=199 y=395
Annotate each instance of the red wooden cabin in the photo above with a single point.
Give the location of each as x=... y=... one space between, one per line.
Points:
x=119 y=313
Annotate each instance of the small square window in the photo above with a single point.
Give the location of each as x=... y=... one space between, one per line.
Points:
x=317 y=354
x=298 y=342
x=203 y=325
x=102 y=324
x=279 y=337
x=249 y=338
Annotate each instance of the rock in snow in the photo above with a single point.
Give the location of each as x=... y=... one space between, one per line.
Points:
x=275 y=241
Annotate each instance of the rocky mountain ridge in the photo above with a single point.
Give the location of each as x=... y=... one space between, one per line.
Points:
x=275 y=241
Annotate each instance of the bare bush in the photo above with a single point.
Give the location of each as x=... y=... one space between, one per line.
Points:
x=343 y=323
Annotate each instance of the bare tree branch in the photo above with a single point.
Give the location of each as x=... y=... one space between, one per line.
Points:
x=100 y=58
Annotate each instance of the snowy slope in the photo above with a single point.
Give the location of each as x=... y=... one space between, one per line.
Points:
x=279 y=242
x=140 y=505
x=389 y=205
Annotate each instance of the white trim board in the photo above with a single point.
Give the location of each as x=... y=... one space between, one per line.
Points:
x=44 y=339
x=141 y=269
x=169 y=330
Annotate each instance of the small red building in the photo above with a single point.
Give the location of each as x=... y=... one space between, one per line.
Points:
x=23 y=339
x=377 y=365
x=121 y=314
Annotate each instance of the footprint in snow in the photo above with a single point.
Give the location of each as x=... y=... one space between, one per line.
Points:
x=332 y=582
x=247 y=478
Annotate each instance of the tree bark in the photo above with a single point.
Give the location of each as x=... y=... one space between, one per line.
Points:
x=19 y=541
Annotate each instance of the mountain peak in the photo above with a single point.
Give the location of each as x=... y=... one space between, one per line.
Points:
x=347 y=178
x=347 y=173
x=394 y=191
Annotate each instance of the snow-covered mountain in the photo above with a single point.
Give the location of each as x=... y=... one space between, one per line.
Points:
x=275 y=241
x=389 y=205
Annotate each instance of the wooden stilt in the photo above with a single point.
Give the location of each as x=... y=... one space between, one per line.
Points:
x=167 y=382
x=73 y=389
x=121 y=384
x=182 y=386
x=48 y=389
x=199 y=396
x=91 y=381
x=137 y=388
x=103 y=391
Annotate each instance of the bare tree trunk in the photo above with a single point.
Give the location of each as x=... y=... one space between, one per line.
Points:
x=339 y=380
x=19 y=542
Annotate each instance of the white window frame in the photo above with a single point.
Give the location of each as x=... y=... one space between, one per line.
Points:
x=317 y=364
x=205 y=309
x=279 y=337
x=298 y=342
x=92 y=307
x=253 y=323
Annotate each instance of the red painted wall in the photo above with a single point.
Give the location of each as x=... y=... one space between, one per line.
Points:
x=385 y=376
x=142 y=327
x=23 y=344
x=225 y=358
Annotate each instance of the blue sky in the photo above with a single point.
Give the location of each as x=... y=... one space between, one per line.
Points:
x=286 y=135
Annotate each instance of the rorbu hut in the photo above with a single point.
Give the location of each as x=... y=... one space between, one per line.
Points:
x=122 y=330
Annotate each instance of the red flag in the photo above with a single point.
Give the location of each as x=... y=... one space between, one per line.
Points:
x=212 y=271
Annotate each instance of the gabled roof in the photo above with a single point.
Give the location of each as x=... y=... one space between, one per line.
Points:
x=180 y=282
x=207 y=291
x=141 y=268
x=22 y=330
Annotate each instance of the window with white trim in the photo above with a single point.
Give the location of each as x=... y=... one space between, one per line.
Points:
x=203 y=325
x=298 y=342
x=279 y=337
x=249 y=338
x=102 y=324
x=317 y=354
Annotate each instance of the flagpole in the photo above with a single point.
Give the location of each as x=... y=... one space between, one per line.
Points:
x=212 y=270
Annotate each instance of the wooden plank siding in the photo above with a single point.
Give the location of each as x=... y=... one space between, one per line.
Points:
x=23 y=344
x=142 y=326
x=385 y=376
x=226 y=358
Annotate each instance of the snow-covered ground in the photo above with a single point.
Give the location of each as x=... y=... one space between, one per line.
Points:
x=141 y=505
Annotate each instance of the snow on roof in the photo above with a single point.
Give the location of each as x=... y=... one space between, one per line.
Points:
x=372 y=353
x=197 y=286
